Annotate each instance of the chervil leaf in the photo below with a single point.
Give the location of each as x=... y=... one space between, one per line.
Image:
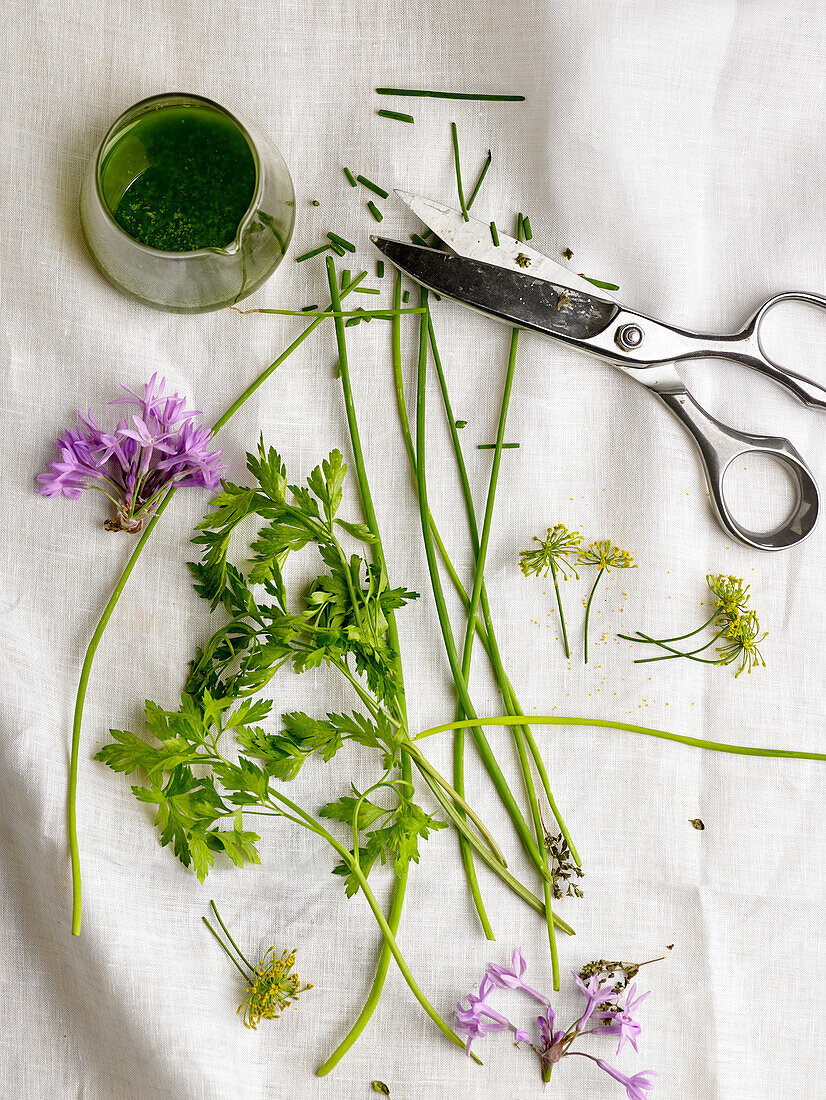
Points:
x=359 y=531
x=344 y=808
x=199 y=850
x=128 y=753
x=326 y=481
x=269 y=471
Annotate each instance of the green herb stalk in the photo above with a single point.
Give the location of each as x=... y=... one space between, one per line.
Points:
x=94 y=642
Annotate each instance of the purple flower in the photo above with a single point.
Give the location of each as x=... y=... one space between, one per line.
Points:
x=479 y=1018
x=594 y=996
x=511 y=977
x=636 y=1087
x=134 y=466
x=621 y=1022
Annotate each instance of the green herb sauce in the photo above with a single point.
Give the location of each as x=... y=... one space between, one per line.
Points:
x=180 y=179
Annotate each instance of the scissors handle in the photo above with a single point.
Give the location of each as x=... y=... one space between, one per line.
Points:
x=720 y=445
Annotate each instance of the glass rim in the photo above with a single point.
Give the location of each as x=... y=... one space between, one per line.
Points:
x=156 y=102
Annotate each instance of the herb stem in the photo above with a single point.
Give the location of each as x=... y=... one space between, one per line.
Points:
x=247 y=977
x=588 y=611
x=454 y=133
x=485 y=751
x=316 y=827
x=451 y=95
x=604 y=723
x=559 y=609
x=398 y=115
x=94 y=641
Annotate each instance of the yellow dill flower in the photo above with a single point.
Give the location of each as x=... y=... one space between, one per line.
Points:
x=271 y=985
x=604 y=555
x=273 y=988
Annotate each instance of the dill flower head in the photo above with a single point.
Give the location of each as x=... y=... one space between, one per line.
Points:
x=553 y=551
x=604 y=555
x=741 y=638
x=273 y=988
x=730 y=597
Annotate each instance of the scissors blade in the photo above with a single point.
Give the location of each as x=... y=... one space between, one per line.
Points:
x=509 y=296
x=472 y=239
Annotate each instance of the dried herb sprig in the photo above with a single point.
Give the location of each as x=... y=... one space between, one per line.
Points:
x=272 y=985
x=554 y=555
x=735 y=624
x=604 y=556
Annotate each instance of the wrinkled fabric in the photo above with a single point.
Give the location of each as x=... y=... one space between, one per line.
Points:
x=677 y=149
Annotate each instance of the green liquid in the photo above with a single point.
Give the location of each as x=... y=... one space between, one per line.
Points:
x=179 y=179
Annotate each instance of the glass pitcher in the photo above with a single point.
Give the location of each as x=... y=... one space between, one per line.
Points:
x=185 y=281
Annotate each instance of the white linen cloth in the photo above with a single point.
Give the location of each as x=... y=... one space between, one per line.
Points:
x=677 y=149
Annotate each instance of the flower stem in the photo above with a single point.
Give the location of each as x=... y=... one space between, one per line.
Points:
x=696 y=742
x=91 y=649
x=229 y=954
x=588 y=611
x=561 y=613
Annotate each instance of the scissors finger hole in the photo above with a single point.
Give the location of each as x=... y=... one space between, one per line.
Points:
x=792 y=334
x=759 y=490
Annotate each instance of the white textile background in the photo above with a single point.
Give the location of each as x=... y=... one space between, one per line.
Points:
x=676 y=148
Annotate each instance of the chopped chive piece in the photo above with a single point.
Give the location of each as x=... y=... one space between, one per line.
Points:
x=451 y=95
x=454 y=133
x=312 y=252
x=314 y=202
x=374 y=187
x=482 y=175
x=494 y=234
x=379 y=269
x=397 y=115
x=416 y=239
x=307 y=309
x=342 y=242
x=367 y=290
x=567 y=253
x=460 y=423
x=492 y=446
x=339 y=251
x=406 y=296
x=519 y=227
x=345 y=278
x=351 y=179
x=599 y=282
x=374 y=210
x=526 y=227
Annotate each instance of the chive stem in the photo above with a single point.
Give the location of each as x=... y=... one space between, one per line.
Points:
x=351 y=179
x=342 y=242
x=398 y=115
x=494 y=234
x=374 y=210
x=379 y=269
x=374 y=187
x=454 y=133
x=311 y=253
x=526 y=228
x=451 y=95
x=493 y=446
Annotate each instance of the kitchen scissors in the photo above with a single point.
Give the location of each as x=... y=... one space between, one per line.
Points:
x=518 y=285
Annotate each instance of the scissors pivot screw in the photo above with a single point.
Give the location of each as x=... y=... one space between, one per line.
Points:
x=629 y=337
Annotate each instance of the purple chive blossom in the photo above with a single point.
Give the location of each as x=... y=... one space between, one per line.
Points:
x=480 y=1019
x=134 y=464
x=504 y=977
x=622 y=1023
x=594 y=996
x=637 y=1087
